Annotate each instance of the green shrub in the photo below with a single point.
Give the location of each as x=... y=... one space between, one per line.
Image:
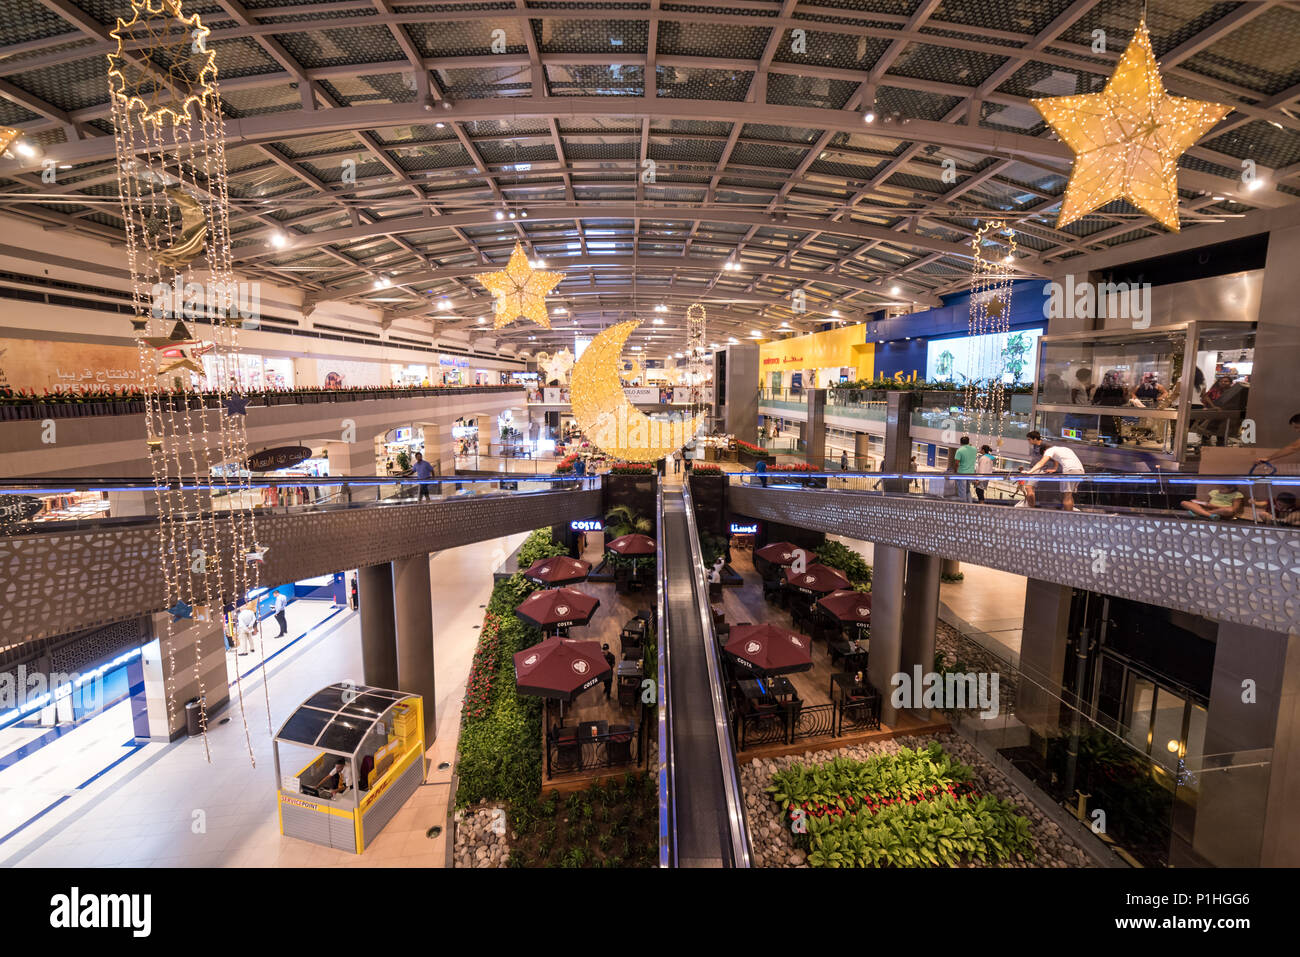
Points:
x=839 y=556
x=539 y=545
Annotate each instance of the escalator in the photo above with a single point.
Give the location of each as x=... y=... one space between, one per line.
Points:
x=702 y=810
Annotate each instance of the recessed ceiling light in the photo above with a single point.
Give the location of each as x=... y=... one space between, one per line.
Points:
x=440 y=124
x=658 y=321
x=444 y=304
x=894 y=290
x=26 y=149
x=835 y=313
x=500 y=215
x=869 y=116
x=279 y=240
x=481 y=320
x=1255 y=184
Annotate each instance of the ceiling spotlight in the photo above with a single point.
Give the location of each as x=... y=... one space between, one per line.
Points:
x=558 y=311
x=481 y=320
x=636 y=348
x=446 y=104
x=1008 y=259
x=444 y=304
x=532 y=338
x=25 y=148
x=500 y=215
x=869 y=116
x=835 y=313
x=1255 y=184
x=512 y=215
x=894 y=290
x=523 y=213
x=755 y=333
x=539 y=263
x=383 y=282
x=733 y=340
x=428 y=102
x=279 y=240
x=440 y=125
x=661 y=308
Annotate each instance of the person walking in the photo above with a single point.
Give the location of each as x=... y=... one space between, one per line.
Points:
x=281 y=603
x=423 y=472
x=612 y=662
x=965 y=457
x=760 y=467
x=677 y=461
x=1061 y=458
x=983 y=466
x=844 y=461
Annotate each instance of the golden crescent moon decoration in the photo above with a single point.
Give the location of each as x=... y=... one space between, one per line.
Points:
x=194 y=232
x=520 y=290
x=604 y=414
x=1127 y=138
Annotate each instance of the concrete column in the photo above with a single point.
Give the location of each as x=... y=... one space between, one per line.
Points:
x=740 y=410
x=898 y=437
x=1273 y=397
x=413 y=605
x=862 y=449
x=189 y=640
x=351 y=458
x=887 y=610
x=1043 y=653
x=814 y=432
x=1245 y=816
x=920 y=611
x=378 y=626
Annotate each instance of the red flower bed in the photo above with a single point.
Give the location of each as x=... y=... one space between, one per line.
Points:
x=794 y=467
x=631 y=468
x=478 y=691
x=704 y=468
x=751 y=449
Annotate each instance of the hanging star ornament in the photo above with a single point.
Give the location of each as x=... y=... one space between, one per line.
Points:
x=520 y=290
x=1127 y=138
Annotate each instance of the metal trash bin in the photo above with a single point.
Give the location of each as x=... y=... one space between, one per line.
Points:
x=193 y=710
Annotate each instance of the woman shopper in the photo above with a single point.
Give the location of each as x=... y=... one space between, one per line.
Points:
x=983 y=466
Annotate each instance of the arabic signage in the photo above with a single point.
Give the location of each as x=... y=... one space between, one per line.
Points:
x=269 y=460
x=835 y=348
x=40 y=365
x=747 y=528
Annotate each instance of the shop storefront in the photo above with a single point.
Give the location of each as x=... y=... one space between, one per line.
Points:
x=395 y=450
x=410 y=375
x=252 y=373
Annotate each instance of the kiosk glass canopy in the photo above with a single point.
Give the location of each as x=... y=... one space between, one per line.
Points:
x=339 y=717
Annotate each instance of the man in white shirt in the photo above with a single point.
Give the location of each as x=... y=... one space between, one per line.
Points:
x=281 y=603
x=1063 y=460
x=246 y=622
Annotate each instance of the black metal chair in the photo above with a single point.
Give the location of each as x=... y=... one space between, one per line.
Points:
x=619 y=747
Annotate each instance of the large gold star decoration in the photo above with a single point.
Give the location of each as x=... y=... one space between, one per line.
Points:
x=1127 y=139
x=520 y=290
x=162 y=64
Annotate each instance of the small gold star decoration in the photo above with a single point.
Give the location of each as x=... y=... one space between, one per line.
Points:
x=1127 y=138
x=520 y=290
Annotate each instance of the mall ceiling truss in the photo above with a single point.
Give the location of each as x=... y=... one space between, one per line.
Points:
x=385 y=151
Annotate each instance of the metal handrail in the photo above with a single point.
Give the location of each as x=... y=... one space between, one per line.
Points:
x=726 y=749
x=667 y=807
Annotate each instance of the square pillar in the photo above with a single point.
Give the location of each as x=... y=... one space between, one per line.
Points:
x=189 y=640
x=378 y=626
x=887 y=610
x=413 y=608
x=814 y=432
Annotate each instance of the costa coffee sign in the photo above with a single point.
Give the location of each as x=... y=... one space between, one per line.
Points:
x=287 y=456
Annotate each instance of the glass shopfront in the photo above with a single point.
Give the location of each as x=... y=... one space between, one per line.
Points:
x=1164 y=392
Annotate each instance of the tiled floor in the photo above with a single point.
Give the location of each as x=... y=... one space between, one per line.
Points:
x=170 y=807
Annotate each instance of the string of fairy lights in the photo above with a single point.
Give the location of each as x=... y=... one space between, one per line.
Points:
x=169 y=136
x=993 y=255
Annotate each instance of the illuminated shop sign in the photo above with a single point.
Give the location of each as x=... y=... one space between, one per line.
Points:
x=586 y=525
x=738 y=529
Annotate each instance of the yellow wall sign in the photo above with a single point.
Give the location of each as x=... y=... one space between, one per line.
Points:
x=846 y=346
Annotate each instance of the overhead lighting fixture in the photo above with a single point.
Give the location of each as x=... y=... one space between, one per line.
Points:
x=1008 y=259
x=733 y=340
x=279 y=240
x=538 y=263
x=658 y=321
x=523 y=213
x=835 y=313
x=444 y=304
x=1255 y=184
x=481 y=320
x=25 y=148
x=661 y=308
x=500 y=215
x=440 y=125
x=512 y=215
x=383 y=282
x=558 y=311
x=869 y=116
x=895 y=290
x=755 y=333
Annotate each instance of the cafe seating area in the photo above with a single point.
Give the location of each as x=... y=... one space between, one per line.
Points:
x=592 y=737
x=827 y=700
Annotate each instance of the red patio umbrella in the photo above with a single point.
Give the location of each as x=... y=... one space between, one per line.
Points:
x=769 y=649
x=560 y=668
x=557 y=608
x=558 y=571
x=782 y=553
x=816 y=580
x=634 y=544
x=848 y=607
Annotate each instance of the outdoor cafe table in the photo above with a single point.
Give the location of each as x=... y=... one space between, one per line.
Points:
x=757 y=691
x=591 y=733
x=853 y=654
x=848 y=688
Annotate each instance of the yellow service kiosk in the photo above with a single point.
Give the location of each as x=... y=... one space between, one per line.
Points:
x=366 y=758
